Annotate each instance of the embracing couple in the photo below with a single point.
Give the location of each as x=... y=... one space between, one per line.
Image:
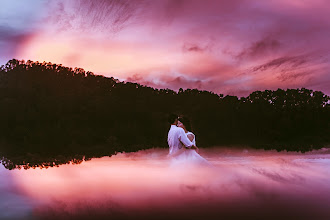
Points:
x=181 y=141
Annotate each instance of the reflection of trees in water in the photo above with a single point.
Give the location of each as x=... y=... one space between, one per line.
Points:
x=48 y=110
x=40 y=162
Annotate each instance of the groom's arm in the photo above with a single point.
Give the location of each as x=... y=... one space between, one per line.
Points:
x=184 y=139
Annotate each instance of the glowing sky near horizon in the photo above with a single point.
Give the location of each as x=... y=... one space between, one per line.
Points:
x=230 y=47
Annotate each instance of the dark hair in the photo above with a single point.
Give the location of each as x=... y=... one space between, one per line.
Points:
x=186 y=122
x=171 y=118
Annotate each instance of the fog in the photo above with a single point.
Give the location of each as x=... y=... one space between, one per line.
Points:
x=242 y=183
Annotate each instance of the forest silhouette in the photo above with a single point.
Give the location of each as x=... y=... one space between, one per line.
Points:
x=51 y=115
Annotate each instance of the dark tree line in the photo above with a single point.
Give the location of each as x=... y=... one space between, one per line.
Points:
x=51 y=114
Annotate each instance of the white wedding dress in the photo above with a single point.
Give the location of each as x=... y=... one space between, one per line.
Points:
x=190 y=156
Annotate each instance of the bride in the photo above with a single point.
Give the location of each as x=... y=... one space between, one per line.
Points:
x=189 y=155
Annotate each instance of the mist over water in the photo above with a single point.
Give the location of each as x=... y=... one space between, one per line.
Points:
x=243 y=183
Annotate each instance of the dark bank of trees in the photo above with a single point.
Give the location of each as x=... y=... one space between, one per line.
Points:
x=51 y=114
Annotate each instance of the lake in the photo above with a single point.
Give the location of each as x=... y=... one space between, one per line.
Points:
x=243 y=183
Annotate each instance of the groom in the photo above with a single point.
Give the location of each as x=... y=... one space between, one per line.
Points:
x=177 y=138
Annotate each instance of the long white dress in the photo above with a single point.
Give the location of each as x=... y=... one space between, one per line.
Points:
x=190 y=156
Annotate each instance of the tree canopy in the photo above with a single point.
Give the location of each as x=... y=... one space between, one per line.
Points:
x=51 y=114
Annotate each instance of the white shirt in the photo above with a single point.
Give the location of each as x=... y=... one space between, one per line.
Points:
x=176 y=139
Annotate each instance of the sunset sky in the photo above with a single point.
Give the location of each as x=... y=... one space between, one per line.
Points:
x=226 y=46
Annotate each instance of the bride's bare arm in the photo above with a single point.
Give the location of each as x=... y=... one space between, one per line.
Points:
x=184 y=139
x=191 y=137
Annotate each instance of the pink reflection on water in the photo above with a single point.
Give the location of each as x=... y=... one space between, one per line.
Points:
x=243 y=183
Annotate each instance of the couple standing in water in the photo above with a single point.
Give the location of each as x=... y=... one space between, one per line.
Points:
x=181 y=141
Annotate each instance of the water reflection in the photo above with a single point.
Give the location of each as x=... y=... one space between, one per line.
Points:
x=244 y=183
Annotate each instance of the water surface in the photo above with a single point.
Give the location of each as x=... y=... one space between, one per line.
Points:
x=242 y=184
